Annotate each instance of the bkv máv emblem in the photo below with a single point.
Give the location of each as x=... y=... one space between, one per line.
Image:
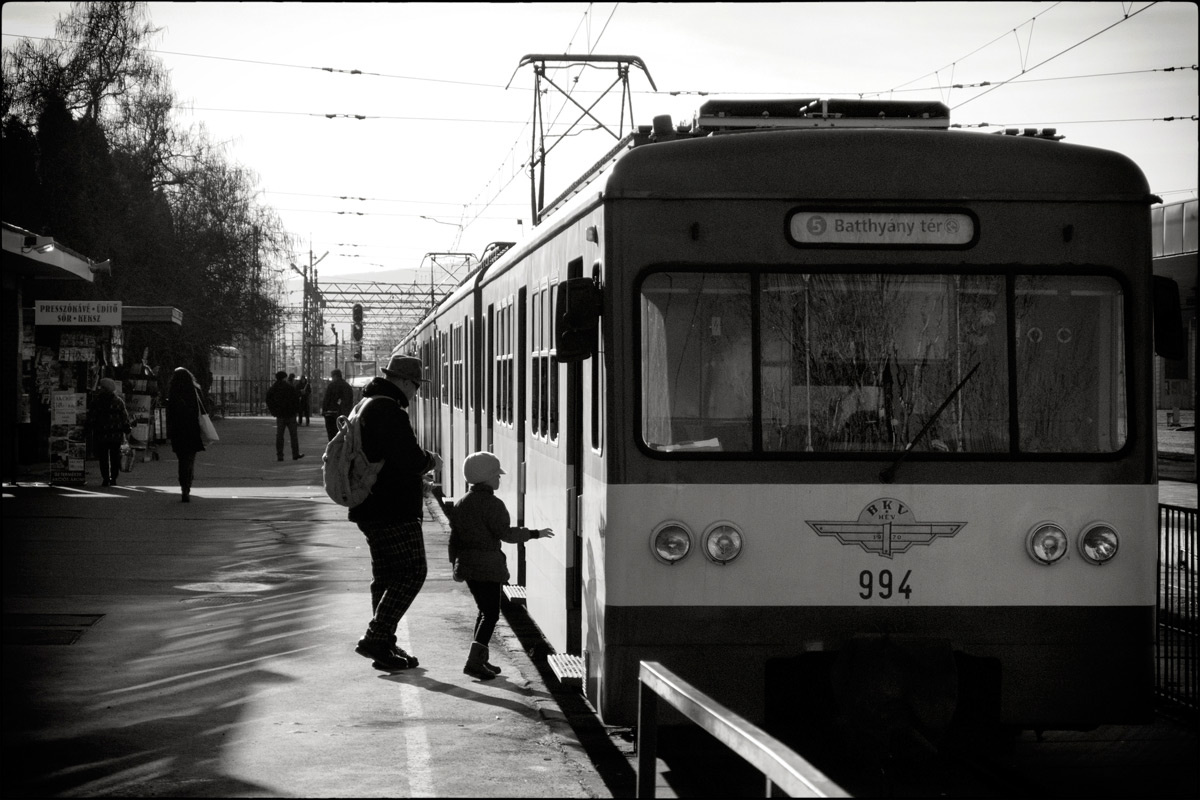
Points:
x=886 y=526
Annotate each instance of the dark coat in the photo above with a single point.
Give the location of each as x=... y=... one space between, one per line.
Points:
x=183 y=421
x=108 y=419
x=283 y=400
x=478 y=524
x=399 y=491
x=338 y=399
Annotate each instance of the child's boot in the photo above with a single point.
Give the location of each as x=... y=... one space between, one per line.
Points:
x=476 y=665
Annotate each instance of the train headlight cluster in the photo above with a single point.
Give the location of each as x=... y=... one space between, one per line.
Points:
x=671 y=541
x=1047 y=543
x=1098 y=543
x=722 y=543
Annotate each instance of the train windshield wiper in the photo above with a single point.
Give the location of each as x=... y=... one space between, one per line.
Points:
x=889 y=474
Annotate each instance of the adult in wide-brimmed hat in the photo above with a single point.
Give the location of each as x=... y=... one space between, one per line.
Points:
x=405 y=368
x=391 y=515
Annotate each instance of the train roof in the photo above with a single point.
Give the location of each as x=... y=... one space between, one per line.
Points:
x=900 y=165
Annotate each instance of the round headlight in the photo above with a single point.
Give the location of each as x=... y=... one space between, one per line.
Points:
x=1099 y=543
x=1046 y=543
x=670 y=542
x=722 y=543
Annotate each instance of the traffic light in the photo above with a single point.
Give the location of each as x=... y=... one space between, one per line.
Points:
x=356 y=329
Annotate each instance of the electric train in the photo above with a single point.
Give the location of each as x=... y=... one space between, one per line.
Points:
x=831 y=407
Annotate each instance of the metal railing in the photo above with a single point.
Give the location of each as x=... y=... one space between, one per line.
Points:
x=248 y=397
x=1177 y=669
x=780 y=765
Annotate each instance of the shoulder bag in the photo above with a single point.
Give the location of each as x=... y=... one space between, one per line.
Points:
x=208 y=431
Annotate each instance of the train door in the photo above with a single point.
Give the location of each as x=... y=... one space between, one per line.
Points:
x=446 y=409
x=433 y=401
x=488 y=370
x=519 y=423
x=573 y=451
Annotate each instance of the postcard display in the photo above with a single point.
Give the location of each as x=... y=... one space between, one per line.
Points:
x=62 y=379
x=140 y=402
x=65 y=351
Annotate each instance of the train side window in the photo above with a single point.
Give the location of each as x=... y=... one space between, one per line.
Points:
x=535 y=410
x=488 y=367
x=468 y=343
x=501 y=351
x=456 y=375
x=551 y=366
x=504 y=404
x=544 y=330
x=443 y=346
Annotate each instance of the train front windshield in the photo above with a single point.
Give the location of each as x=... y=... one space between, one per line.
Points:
x=857 y=363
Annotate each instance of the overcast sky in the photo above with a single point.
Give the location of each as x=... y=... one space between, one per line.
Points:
x=445 y=139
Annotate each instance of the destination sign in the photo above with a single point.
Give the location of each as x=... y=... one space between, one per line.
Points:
x=77 y=312
x=881 y=228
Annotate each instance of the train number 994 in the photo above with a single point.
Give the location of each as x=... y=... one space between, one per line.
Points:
x=883 y=585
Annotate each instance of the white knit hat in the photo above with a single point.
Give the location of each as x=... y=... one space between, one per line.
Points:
x=481 y=467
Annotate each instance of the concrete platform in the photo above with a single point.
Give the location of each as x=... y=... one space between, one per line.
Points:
x=213 y=642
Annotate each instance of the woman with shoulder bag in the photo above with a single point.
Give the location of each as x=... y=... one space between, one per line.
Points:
x=183 y=425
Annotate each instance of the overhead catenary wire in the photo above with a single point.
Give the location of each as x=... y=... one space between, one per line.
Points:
x=509 y=162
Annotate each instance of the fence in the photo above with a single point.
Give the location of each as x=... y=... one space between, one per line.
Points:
x=248 y=397
x=1177 y=670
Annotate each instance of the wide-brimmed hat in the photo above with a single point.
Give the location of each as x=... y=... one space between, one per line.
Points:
x=481 y=467
x=406 y=367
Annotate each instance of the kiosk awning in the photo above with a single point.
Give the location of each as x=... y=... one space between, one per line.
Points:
x=29 y=255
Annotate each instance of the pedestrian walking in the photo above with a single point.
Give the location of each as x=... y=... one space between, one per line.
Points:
x=304 y=389
x=183 y=425
x=390 y=517
x=109 y=421
x=478 y=524
x=337 y=401
x=284 y=403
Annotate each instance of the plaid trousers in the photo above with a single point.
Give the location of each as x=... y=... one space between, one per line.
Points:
x=398 y=571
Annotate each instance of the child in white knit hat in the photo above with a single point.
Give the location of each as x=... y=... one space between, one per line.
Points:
x=478 y=524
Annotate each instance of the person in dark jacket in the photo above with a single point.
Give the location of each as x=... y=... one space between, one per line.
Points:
x=109 y=421
x=284 y=403
x=337 y=402
x=390 y=517
x=304 y=390
x=183 y=425
x=478 y=524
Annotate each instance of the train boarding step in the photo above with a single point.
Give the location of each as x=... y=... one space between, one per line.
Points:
x=515 y=594
x=567 y=668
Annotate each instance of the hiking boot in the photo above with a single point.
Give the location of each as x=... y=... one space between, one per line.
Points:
x=385 y=655
x=476 y=665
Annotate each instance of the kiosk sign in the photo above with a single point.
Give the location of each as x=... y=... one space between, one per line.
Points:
x=835 y=227
x=77 y=312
